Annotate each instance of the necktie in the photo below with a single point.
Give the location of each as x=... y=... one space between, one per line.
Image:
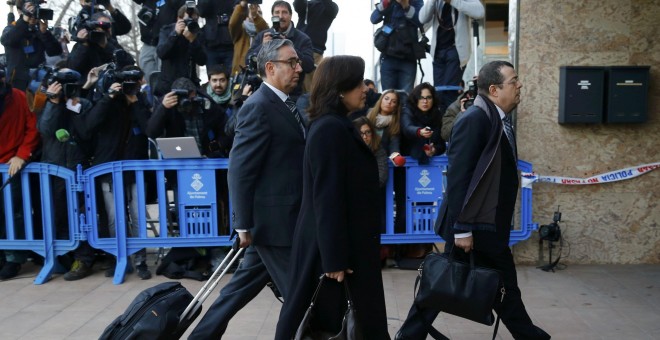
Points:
x=294 y=109
x=508 y=131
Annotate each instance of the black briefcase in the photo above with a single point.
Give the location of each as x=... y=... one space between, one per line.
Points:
x=458 y=288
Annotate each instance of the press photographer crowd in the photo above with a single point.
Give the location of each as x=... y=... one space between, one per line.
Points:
x=309 y=139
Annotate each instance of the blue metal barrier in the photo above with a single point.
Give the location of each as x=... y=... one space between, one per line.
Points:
x=197 y=208
x=46 y=245
x=424 y=189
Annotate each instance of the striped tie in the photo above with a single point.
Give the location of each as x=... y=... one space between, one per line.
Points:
x=508 y=131
x=291 y=104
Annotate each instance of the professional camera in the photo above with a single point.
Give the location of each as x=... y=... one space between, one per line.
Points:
x=247 y=76
x=551 y=232
x=191 y=24
x=146 y=15
x=129 y=79
x=112 y=74
x=69 y=80
x=470 y=94
x=187 y=104
x=95 y=36
x=38 y=12
x=275 y=31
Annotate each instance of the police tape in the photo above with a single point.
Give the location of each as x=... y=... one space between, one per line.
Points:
x=614 y=176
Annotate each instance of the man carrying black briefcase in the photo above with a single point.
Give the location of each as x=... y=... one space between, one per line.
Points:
x=482 y=185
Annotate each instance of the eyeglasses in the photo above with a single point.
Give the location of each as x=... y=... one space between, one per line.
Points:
x=366 y=133
x=292 y=62
x=513 y=81
x=429 y=98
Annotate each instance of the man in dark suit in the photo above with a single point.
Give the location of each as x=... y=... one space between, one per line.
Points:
x=265 y=185
x=482 y=185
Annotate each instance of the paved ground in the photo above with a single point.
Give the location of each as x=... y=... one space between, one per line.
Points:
x=581 y=302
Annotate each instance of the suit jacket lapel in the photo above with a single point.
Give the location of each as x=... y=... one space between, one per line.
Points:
x=280 y=107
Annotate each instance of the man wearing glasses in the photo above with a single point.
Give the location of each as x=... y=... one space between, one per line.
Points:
x=285 y=30
x=265 y=185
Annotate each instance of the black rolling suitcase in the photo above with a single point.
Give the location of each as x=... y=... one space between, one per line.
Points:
x=166 y=310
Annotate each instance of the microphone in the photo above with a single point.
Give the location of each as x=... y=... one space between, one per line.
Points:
x=62 y=135
x=397 y=159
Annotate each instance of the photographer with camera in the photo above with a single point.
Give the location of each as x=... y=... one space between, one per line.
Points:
x=456 y=109
x=116 y=125
x=400 y=23
x=450 y=47
x=217 y=39
x=96 y=46
x=27 y=41
x=120 y=23
x=59 y=125
x=283 y=29
x=153 y=15
x=181 y=49
x=245 y=22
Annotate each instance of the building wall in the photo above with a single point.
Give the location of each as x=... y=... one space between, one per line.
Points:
x=604 y=223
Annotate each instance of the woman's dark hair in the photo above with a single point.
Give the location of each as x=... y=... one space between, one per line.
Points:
x=375 y=138
x=334 y=76
x=416 y=95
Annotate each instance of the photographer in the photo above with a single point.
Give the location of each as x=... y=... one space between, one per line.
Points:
x=315 y=18
x=120 y=23
x=398 y=63
x=153 y=15
x=96 y=46
x=117 y=125
x=181 y=49
x=183 y=113
x=217 y=40
x=25 y=42
x=450 y=47
x=283 y=29
x=59 y=125
x=244 y=24
x=456 y=109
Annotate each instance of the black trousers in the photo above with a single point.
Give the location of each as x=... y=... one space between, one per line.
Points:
x=260 y=265
x=511 y=310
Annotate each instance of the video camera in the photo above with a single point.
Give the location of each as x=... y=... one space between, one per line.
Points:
x=146 y=15
x=69 y=80
x=275 y=31
x=551 y=232
x=129 y=79
x=194 y=104
x=247 y=76
x=95 y=36
x=111 y=74
x=191 y=24
x=38 y=12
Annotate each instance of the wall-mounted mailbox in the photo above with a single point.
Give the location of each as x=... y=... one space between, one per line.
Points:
x=581 y=94
x=627 y=94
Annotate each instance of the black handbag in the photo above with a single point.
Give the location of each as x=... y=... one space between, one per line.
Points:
x=350 y=329
x=381 y=40
x=458 y=288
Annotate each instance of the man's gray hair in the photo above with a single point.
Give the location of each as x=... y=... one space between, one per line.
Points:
x=270 y=51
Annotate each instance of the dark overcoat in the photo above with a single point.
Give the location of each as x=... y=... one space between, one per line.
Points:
x=338 y=228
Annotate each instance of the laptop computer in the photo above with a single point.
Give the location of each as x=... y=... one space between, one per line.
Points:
x=178 y=147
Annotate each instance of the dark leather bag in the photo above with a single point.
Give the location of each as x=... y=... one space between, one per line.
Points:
x=381 y=40
x=350 y=329
x=458 y=288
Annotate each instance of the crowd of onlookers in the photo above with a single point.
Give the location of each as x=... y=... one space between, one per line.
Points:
x=97 y=103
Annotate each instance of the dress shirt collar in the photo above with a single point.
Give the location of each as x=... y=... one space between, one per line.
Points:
x=283 y=96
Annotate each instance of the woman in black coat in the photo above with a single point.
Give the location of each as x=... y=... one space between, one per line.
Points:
x=421 y=122
x=338 y=229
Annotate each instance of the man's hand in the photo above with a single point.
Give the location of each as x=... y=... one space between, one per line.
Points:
x=93 y=77
x=55 y=88
x=463 y=109
x=28 y=8
x=43 y=26
x=15 y=164
x=114 y=89
x=404 y=3
x=179 y=27
x=465 y=243
x=188 y=35
x=339 y=276
x=268 y=36
x=247 y=90
x=170 y=100
x=132 y=99
x=246 y=239
x=426 y=132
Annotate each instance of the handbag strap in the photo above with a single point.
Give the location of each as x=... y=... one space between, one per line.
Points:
x=349 y=298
